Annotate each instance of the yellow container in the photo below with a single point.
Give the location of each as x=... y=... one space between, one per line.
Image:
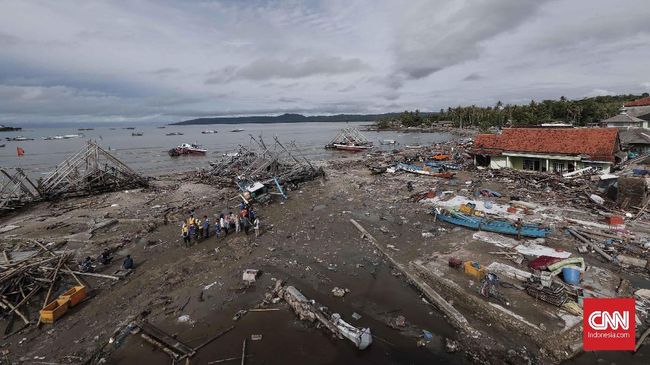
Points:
x=54 y=310
x=76 y=294
x=472 y=271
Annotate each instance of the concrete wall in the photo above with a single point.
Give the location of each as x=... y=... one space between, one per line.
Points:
x=498 y=162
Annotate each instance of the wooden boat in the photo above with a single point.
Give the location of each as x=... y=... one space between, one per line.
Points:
x=351 y=147
x=424 y=171
x=187 y=149
x=490 y=225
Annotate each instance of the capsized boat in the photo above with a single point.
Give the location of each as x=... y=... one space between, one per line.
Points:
x=425 y=170
x=490 y=225
x=187 y=149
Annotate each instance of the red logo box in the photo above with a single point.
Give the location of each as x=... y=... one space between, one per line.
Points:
x=608 y=324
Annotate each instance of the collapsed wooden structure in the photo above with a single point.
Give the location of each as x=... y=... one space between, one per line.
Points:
x=16 y=189
x=265 y=164
x=29 y=280
x=349 y=136
x=92 y=170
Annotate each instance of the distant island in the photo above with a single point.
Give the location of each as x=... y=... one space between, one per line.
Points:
x=4 y=128
x=289 y=118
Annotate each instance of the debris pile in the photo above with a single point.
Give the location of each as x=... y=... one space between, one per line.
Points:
x=32 y=271
x=259 y=163
x=92 y=170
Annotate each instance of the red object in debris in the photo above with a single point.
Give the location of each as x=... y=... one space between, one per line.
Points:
x=542 y=262
x=455 y=263
x=614 y=220
x=512 y=210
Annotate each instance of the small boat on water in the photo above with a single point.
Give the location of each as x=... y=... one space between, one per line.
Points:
x=137 y=134
x=68 y=136
x=2 y=146
x=128 y=128
x=209 y=131
x=187 y=149
x=174 y=134
x=50 y=138
x=490 y=225
x=237 y=130
x=19 y=139
x=425 y=170
x=350 y=139
x=161 y=127
x=85 y=129
x=385 y=142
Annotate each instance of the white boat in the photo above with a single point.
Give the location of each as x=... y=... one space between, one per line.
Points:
x=68 y=136
x=387 y=141
x=237 y=130
x=188 y=149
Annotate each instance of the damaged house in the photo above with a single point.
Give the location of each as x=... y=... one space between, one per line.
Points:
x=558 y=150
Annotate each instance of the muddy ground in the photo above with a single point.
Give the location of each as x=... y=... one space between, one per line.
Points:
x=306 y=241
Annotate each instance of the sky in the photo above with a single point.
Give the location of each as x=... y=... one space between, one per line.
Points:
x=164 y=60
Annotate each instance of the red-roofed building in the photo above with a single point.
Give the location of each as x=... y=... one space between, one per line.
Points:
x=639 y=108
x=549 y=149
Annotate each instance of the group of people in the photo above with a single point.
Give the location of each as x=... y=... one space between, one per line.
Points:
x=197 y=229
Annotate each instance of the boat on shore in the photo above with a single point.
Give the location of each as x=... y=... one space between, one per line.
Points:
x=425 y=170
x=187 y=149
x=490 y=225
x=350 y=147
x=4 y=128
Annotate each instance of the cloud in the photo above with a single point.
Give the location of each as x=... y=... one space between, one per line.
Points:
x=452 y=34
x=173 y=59
x=266 y=69
x=472 y=77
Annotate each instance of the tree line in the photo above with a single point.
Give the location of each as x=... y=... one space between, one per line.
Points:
x=577 y=112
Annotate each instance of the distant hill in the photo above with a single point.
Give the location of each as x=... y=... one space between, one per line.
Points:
x=289 y=118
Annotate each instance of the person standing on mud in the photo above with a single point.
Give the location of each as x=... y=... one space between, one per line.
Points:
x=206 y=227
x=199 y=230
x=185 y=233
x=237 y=222
x=256 y=226
x=191 y=233
x=224 y=224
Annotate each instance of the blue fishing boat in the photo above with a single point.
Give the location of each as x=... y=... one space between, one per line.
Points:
x=441 y=164
x=490 y=225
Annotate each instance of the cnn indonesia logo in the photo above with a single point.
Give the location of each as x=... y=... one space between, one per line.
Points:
x=608 y=324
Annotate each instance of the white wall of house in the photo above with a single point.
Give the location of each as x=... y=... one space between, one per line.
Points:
x=499 y=162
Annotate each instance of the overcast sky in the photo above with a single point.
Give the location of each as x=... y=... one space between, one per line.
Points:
x=169 y=60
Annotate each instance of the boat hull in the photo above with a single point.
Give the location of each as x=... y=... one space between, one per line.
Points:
x=490 y=225
x=343 y=147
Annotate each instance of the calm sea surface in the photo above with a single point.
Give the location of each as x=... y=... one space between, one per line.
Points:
x=148 y=154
